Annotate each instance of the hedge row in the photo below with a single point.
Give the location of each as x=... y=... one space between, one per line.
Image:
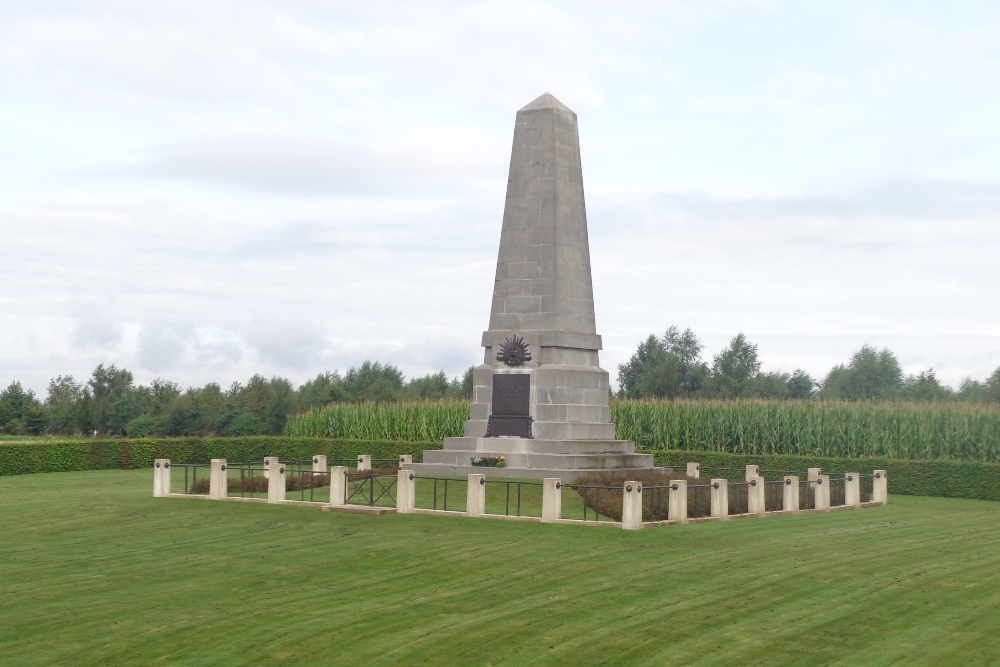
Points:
x=949 y=479
x=27 y=458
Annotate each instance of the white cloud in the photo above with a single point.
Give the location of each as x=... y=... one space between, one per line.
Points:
x=204 y=191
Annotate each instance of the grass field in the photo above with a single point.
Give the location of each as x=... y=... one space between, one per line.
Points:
x=97 y=572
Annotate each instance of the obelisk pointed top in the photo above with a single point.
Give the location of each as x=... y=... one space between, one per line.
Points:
x=546 y=101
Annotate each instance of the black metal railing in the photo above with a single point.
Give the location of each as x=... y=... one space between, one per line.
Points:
x=590 y=492
x=699 y=500
x=866 y=484
x=739 y=498
x=440 y=490
x=300 y=480
x=193 y=467
x=370 y=489
x=807 y=494
x=774 y=495
x=656 y=502
x=252 y=479
x=838 y=490
x=517 y=495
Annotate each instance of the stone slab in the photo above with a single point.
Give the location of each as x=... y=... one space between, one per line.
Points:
x=566 y=476
x=359 y=509
x=539 y=446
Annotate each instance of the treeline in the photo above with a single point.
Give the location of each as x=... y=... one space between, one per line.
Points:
x=110 y=402
x=671 y=366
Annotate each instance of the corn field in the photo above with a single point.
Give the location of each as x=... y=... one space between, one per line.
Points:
x=420 y=421
x=898 y=430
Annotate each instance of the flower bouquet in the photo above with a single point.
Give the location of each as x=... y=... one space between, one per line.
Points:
x=488 y=461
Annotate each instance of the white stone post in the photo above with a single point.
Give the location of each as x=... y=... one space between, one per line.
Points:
x=268 y=462
x=693 y=469
x=813 y=474
x=790 y=496
x=218 y=487
x=880 y=487
x=338 y=486
x=405 y=460
x=852 y=489
x=755 y=495
x=677 y=501
x=632 y=506
x=161 y=478
x=365 y=463
x=406 y=497
x=823 y=492
x=276 y=484
x=319 y=463
x=475 y=497
x=720 y=498
x=551 y=499
x=752 y=471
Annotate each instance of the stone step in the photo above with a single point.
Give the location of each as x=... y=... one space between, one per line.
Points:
x=567 y=476
x=573 y=430
x=547 y=430
x=533 y=460
x=539 y=446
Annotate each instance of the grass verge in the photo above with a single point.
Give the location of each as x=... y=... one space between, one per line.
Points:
x=97 y=572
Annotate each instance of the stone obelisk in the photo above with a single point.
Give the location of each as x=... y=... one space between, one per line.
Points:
x=541 y=397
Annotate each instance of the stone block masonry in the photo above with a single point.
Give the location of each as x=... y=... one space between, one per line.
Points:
x=543 y=305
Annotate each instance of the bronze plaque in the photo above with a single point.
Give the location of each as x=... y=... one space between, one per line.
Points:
x=511 y=406
x=512 y=394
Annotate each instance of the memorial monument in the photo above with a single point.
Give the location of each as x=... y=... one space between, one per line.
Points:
x=541 y=398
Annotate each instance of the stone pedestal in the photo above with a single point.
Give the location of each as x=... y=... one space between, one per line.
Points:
x=790 y=496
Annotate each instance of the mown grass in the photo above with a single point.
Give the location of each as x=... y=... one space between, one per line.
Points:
x=97 y=572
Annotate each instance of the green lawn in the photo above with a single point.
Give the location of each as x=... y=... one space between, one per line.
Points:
x=97 y=572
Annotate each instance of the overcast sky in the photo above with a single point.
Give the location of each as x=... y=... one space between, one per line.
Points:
x=200 y=191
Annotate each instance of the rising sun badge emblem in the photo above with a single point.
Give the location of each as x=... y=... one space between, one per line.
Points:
x=514 y=352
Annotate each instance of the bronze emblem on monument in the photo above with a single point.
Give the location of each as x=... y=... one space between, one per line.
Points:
x=514 y=352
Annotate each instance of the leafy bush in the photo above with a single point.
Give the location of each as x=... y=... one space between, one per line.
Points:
x=246 y=424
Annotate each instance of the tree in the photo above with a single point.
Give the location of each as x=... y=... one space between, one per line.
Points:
x=734 y=368
x=64 y=394
x=280 y=403
x=468 y=382
x=871 y=374
x=668 y=366
x=993 y=386
x=801 y=384
x=925 y=387
x=374 y=382
x=108 y=386
x=324 y=389
x=20 y=411
x=971 y=390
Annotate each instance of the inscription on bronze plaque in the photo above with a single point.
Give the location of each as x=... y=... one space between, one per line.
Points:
x=511 y=406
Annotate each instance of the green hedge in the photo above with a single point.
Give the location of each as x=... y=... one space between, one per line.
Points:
x=65 y=456
x=950 y=479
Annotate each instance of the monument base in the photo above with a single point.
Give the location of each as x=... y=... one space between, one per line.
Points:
x=533 y=458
